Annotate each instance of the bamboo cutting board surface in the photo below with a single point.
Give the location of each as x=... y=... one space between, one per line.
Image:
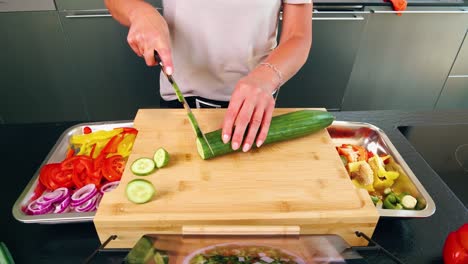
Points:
x=299 y=182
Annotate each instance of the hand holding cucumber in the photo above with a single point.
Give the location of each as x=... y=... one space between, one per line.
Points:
x=251 y=106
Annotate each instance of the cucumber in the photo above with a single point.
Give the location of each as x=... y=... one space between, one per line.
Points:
x=141 y=252
x=5 y=256
x=161 y=157
x=283 y=127
x=140 y=191
x=143 y=166
x=161 y=257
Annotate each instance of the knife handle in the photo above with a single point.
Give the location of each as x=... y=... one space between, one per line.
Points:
x=157 y=58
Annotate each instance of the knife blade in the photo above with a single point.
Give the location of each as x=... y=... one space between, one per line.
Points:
x=181 y=99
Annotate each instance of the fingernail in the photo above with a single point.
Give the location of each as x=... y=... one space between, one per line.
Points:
x=169 y=70
x=225 y=138
x=246 y=147
x=235 y=145
x=259 y=143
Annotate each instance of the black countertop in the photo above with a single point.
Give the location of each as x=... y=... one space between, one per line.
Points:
x=412 y=240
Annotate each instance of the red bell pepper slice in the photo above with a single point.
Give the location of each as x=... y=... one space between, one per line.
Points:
x=128 y=130
x=87 y=130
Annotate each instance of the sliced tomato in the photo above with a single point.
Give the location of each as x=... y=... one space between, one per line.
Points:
x=113 y=168
x=52 y=176
x=362 y=152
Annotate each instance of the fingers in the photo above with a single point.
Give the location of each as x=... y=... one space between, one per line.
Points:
x=230 y=116
x=134 y=45
x=266 y=121
x=242 y=120
x=166 y=58
x=254 y=125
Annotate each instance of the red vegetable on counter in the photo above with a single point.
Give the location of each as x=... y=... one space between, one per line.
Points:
x=456 y=246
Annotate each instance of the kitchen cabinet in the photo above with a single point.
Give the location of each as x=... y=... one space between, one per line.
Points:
x=114 y=81
x=322 y=81
x=454 y=94
x=33 y=86
x=403 y=61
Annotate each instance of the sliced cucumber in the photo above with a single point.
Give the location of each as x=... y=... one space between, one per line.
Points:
x=143 y=166
x=161 y=157
x=140 y=191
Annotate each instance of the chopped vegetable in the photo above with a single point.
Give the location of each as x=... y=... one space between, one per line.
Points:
x=375 y=199
x=363 y=174
x=143 y=166
x=408 y=202
x=161 y=157
x=92 y=158
x=140 y=191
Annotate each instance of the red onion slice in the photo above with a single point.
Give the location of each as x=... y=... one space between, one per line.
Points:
x=83 y=194
x=36 y=209
x=53 y=197
x=63 y=206
x=109 y=186
x=87 y=206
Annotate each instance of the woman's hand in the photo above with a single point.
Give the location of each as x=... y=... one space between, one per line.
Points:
x=149 y=32
x=250 y=109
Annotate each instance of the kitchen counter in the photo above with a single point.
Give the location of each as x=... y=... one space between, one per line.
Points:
x=412 y=240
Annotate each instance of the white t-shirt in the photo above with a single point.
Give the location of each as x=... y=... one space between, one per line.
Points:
x=217 y=42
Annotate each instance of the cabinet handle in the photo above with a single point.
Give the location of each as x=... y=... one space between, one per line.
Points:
x=461 y=11
x=88 y=16
x=88 y=13
x=353 y=18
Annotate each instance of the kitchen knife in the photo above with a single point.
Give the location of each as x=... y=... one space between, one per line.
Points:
x=181 y=99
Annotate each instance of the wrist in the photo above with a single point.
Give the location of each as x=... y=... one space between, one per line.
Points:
x=271 y=76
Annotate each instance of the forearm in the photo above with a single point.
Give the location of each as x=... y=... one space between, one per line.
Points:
x=295 y=43
x=124 y=10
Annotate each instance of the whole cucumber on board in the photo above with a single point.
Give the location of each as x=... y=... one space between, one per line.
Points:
x=283 y=127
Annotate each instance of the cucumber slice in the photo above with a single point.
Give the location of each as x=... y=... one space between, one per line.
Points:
x=143 y=166
x=161 y=157
x=140 y=191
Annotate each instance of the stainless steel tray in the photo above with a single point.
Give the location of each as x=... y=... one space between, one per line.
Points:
x=57 y=154
x=374 y=139
x=364 y=134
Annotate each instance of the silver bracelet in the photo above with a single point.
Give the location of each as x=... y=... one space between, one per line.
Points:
x=280 y=77
x=278 y=72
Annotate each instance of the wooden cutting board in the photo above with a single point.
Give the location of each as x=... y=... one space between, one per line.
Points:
x=298 y=183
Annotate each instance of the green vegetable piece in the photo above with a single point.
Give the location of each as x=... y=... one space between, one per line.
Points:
x=161 y=257
x=140 y=191
x=421 y=205
x=344 y=160
x=5 y=256
x=142 y=252
x=375 y=199
x=161 y=157
x=390 y=202
x=408 y=202
x=143 y=166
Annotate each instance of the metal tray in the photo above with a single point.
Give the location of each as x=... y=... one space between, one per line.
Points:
x=364 y=134
x=57 y=154
x=375 y=140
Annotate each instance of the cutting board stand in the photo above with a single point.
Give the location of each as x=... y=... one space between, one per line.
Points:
x=294 y=187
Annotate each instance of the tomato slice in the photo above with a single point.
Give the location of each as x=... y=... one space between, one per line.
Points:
x=113 y=168
x=52 y=176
